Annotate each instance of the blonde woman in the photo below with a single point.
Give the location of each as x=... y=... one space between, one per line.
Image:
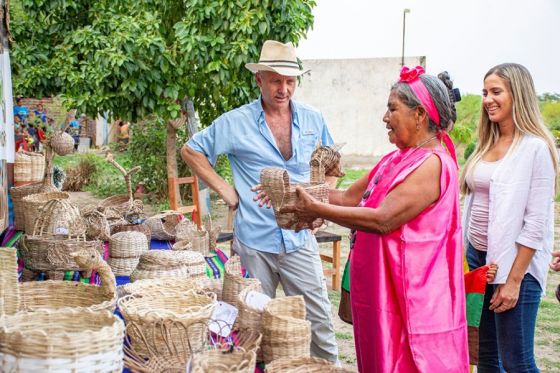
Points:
x=508 y=216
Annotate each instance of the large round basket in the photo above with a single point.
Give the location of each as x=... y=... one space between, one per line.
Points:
x=167 y=263
x=62 y=143
x=61 y=341
x=17 y=200
x=125 y=249
x=140 y=287
x=29 y=167
x=304 y=365
x=192 y=309
x=33 y=204
x=163 y=225
x=286 y=333
x=276 y=184
x=142 y=228
x=53 y=253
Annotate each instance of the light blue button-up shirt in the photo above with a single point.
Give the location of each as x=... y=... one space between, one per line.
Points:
x=244 y=136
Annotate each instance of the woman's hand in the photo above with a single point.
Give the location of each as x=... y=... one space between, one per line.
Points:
x=303 y=210
x=261 y=196
x=491 y=273
x=555 y=265
x=505 y=296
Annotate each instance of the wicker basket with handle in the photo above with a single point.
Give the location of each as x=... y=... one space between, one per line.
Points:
x=35 y=295
x=286 y=333
x=163 y=225
x=276 y=184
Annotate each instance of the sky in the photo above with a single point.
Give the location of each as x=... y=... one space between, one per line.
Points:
x=466 y=37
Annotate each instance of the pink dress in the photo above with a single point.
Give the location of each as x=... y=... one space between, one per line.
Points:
x=407 y=288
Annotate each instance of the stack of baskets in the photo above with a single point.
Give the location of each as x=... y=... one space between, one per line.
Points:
x=167 y=263
x=305 y=364
x=163 y=225
x=191 y=309
x=276 y=184
x=33 y=203
x=125 y=249
x=61 y=341
x=286 y=333
x=29 y=167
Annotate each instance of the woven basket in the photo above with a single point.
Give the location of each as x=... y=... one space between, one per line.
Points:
x=142 y=228
x=249 y=317
x=17 y=200
x=163 y=225
x=97 y=226
x=122 y=204
x=62 y=341
x=62 y=143
x=125 y=249
x=234 y=282
x=160 y=285
x=183 y=230
x=192 y=309
x=239 y=361
x=29 y=167
x=286 y=333
x=325 y=161
x=166 y=263
x=213 y=285
x=9 y=287
x=276 y=184
x=33 y=203
x=200 y=242
x=35 y=295
x=54 y=252
x=182 y=245
x=59 y=216
x=304 y=365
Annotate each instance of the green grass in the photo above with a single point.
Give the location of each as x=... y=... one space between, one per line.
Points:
x=344 y=336
x=351 y=175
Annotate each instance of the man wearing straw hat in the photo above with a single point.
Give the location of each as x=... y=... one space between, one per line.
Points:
x=272 y=131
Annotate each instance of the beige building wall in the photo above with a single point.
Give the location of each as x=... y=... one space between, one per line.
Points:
x=352 y=95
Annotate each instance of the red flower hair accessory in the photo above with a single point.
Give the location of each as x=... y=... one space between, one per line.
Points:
x=409 y=75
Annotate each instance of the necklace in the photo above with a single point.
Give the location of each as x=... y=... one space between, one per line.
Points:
x=382 y=171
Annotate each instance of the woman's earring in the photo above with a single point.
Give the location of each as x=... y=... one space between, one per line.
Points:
x=417 y=126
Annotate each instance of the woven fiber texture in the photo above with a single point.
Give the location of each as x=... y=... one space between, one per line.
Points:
x=62 y=143
x=163 y=225
x=237 y=361
x=183 y=229
x=161 y=285
x=97 y=226
x=182 y=245
x=33 y=204
x=142 y=228
x=168 y=263
x=59 y=216
x=286 y=333
x=29 y=167
x=125 y=249
x=191 y=308
x=17 y=199
x=325 y=161
x=304 y=365
x=61 y=341
x=276 y=184
x=36 y=295
x=200 y=242
x=234 y=282
x=9 y=287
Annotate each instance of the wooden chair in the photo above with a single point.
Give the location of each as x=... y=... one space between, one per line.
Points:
x=172 y=187
x=335 y=271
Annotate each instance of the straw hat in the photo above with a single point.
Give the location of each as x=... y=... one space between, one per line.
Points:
x=279 y=58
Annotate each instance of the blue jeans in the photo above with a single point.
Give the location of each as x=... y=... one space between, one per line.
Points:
x=506 y=340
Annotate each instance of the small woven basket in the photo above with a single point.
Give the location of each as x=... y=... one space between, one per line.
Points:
x=17 y=200
x=97 y=226
x=200 y=242
x=276 y=184
x=237 y=361
x=192 y=309
x=182 y=245
x=54 y=252
x=142 y=228
x=125 y=249
x=304 y=365
x=62 y=143
x=33 y=204
x=29 y=167
x=62 y=341
x=59 y=216
x=286 y=333
x=163 y=225
x=166 y=263
x=121 y=203
x=234 y=282
x=35 y=295
x=249 y=317
x=183 y=230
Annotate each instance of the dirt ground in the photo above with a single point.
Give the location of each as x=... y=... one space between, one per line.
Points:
x=547 y=340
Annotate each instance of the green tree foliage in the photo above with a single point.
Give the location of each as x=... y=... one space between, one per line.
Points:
x=468 y=115
x=138 y=57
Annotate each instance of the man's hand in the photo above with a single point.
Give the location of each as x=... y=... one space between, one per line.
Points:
x=230 y=197
x=261 y=196
x=555 y=265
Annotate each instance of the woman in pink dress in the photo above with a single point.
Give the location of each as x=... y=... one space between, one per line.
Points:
x=407 y=291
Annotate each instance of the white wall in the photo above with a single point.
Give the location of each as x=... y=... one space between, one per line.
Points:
x=352 y=94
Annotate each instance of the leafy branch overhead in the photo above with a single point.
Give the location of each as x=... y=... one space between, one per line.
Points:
x=140 y=57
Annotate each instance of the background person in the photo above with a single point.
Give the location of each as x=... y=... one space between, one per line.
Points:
x=406 y=285
x=272 y=131
x=508 y=216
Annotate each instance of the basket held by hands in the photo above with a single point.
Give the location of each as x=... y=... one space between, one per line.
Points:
x=276 y=184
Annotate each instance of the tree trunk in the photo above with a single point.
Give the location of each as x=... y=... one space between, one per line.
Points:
x=171 y=159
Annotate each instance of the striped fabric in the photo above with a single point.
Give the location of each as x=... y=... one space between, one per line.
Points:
x=475 y=286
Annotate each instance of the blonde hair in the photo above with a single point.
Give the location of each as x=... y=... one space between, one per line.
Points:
x=527 y=118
